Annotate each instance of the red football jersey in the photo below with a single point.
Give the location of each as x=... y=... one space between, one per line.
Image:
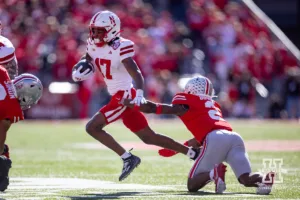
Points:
x=9 y=105
x=204 y=115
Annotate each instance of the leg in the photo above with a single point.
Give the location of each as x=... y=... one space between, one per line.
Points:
x=208 y=166
x=198 y=181
x=95 y=128
x=250 y=180
x=239 y=162
x=108 y=114
x=137 y=123
x=148 y=136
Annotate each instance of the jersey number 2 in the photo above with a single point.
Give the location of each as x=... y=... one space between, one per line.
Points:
x=213 y=113
x=107 y=63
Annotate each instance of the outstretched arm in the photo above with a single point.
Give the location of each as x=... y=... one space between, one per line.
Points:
x=158 y=108
x=169 y=153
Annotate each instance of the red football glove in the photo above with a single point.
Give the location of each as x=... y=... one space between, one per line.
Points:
x=169 y=153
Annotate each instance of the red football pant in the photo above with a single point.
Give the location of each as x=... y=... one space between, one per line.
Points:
x=132 y=119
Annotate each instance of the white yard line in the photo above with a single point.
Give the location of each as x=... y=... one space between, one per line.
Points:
x=40 y=188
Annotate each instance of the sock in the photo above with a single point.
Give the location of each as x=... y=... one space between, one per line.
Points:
x=191 y=153
x=211 y=174
x=125 y=155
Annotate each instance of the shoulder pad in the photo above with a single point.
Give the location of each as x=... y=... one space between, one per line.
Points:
x=7 y=50
x=126 y=48
x=180 y=98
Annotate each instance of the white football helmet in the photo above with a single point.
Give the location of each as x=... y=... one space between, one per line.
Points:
x=29 y=90
x=109 y=22
x=200 y=86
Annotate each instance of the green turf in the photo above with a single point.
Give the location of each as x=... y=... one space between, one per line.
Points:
x=45 y=149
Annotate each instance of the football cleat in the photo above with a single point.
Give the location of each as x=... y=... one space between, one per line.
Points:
x=265 y=187
x=219 y=178
x=5 y=165
x=129 y=165
x=4 y=182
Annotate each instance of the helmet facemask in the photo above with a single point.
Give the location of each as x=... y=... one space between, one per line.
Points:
x=29 y=90
x=98 y=34
x=104 y=27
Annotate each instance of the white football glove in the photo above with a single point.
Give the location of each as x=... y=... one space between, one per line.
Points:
x=139 y=98
x=77 y=76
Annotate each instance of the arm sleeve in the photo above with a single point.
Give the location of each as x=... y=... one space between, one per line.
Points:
x=126 y=49
x=14 y=114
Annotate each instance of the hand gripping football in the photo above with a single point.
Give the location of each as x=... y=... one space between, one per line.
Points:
x=84 y=65
x=82 y=70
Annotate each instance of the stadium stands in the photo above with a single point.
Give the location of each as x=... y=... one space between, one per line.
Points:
x=219 y=38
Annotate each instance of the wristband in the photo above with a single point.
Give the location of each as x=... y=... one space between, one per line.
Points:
x=158 y=109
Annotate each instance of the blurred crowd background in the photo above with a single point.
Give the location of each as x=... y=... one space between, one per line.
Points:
x=220 y=39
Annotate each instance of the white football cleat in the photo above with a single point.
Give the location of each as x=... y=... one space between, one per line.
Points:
x=219 y=178
x=265 y=187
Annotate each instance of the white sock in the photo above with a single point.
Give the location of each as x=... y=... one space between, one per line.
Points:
x=211 y=174
x=125 y=155
x=191 y=153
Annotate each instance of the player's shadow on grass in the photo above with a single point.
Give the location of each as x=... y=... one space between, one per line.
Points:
x=114 y=195
x=118 y=195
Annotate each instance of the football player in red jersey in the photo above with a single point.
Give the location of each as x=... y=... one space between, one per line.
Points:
x=15 y=96
x=203 y=118
x=7 y=55
x=113 y=57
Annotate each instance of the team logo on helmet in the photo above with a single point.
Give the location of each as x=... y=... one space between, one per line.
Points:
x=29 y=90
x=199 y=85
x=112 y=20
x=110 y=24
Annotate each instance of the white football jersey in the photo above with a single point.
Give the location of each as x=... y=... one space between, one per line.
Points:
x=7 y=50
x=108 y=59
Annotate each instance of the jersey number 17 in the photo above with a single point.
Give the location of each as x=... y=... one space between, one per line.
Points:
x=107 y=64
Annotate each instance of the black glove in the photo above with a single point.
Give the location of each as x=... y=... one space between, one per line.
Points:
x=197 y=152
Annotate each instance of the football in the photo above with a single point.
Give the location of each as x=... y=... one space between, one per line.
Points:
x=84 y=64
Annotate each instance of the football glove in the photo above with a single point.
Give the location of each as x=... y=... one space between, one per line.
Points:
x=6 y=151
x=81 y=76
x=168 y=152
x=139 y=98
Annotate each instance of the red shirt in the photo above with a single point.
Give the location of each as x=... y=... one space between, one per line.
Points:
x=204 y=115
x=9 y=105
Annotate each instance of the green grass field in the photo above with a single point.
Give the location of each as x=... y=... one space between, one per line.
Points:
x=47 y=153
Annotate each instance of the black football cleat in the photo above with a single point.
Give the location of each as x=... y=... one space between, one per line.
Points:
x=129 y=165
x=5 y=165
x=4 y=182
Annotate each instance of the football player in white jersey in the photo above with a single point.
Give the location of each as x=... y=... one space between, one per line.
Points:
x=112 y=55
x=7 y=56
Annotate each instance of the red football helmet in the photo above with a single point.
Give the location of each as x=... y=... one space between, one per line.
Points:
x=104 y=27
